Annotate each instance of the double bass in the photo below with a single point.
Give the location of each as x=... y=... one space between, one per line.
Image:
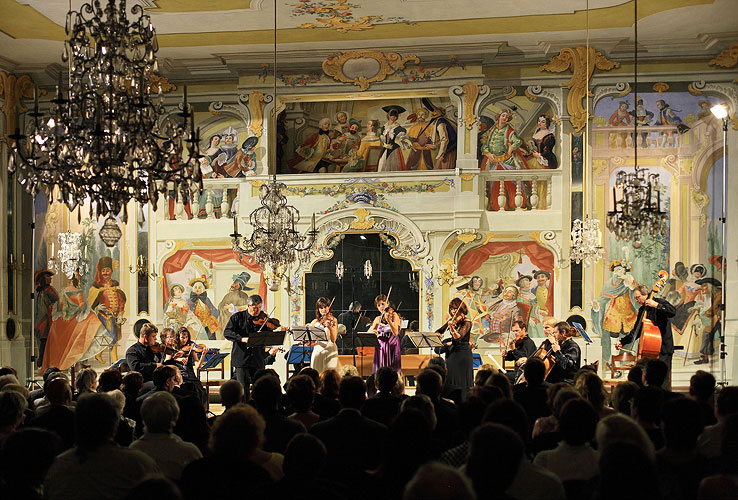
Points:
x=649 y=344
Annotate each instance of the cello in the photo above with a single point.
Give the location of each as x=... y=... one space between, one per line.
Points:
x=649 y=344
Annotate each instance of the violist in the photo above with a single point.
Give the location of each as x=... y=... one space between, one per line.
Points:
x=457 y=347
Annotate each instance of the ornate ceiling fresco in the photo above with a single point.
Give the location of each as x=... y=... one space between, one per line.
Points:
x=238 y=34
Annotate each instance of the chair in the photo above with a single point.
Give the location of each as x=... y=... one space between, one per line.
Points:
x=623 y=361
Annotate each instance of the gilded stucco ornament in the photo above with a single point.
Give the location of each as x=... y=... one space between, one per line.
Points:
x=364 y=67
x=727 y=58
x=12 y=90
x=582 y=64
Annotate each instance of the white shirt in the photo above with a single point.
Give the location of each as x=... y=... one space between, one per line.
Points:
x=170 y=452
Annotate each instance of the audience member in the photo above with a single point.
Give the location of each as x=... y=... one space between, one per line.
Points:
x=532 y=395
x=622 y=397
x=126 y=432
x=236 y=438
x=724 y=484
x=279 y=429
x=12 y=408
x=171 y=454
x=383 y=406
x=646 y=410
x=85 y=383
x=132 y=386
x=352 y=440
x=96 y=467
x=58 y=417
x=304 y=465
x=550 y=423
x=471 y=413
x=323 y=406
x=38 y=394
x=702 y=390
x=617 y=428
x=655 y=374
x=591 y=388
x=25 y=458
x=301 y=393
x=626 y=470
x=447 y=429
x=109 y=380
x=483 y=373
x=231 y=393
x=154 y=488
x=348 y=371
x=726 y=405
x=434 y=481
x=450 y=391
x=192 y=424
x=501 y=382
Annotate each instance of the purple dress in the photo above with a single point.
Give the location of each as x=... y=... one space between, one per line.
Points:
x=388 y=353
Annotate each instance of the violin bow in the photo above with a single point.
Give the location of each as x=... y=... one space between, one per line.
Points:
x=389 y=292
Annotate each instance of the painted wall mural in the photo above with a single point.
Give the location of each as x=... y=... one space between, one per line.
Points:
x=503 y=281
x=367 y=136
x=678 y=138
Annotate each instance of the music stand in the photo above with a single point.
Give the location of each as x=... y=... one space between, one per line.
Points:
x=426 y=339
x=306 y=334
x=213 y=358
x=587 y=339
x=366 y=339
x=266 y=338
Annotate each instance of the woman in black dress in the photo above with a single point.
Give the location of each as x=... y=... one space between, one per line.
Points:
x=457 y=347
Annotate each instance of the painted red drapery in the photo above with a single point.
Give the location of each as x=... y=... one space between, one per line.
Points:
x=179 y=260
x=539 y=256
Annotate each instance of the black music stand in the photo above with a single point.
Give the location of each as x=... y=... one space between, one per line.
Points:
x=212 y=360
x=587 y=339
x=267 y=338
x=426 y=339
x=307 y=334
x=366 y=339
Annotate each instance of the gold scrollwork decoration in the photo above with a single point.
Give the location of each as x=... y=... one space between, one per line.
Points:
x=530 y=96
x=256 y=106
x=727 y=58
x=471 y=92
x=466 y=238
x=369 y=66
x=582 y=64
x=660 y=87
x=512 y=93
x=160 y=82
x=363 y=219
x=700 y=200
x=693 y=90
x=12 y=90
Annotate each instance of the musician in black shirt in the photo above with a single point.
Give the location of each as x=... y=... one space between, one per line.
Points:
x=658 y=311
x=566 y=354
x=518 y=349
x=140 y=356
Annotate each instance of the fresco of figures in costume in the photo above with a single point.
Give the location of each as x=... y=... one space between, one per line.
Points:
x=203 y=288
x=78 y=318
x=676 y=125
x=228 y=151
x=367 y=136
x=517 y=134
x=501 y=282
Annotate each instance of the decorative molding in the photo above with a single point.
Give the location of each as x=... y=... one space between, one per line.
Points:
x=471 y=93
x=467 y=177
x=351 y=186
x=337 y=15
x=620 y=89
x=467 y=238
x=363 y=219
x=371 y=66
x=13 y=89
x=701 y=201
x=671 y=163
x=695 y=88
x=533 y=92
x=239 y=110
x=660 y=87
x=512 y=92
x=548 y=240
x=576 y=59
x=256 y=106
x=599 y=165
x=160 y=82
x=727 y=58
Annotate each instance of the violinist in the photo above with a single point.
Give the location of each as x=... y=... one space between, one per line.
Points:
x=141 y=356
x=246 y=361
x=565 y=351
x=190 y=355
x=518 y=349
x=457 y=347
x=387 y=328
x=325 y=352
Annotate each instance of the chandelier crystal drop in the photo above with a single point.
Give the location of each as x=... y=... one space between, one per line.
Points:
x=586 y=241
x=107 y=141
x=69 y=259
x=274 y=242
x=637 y=212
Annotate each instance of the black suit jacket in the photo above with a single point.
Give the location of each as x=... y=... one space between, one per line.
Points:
x=382 y=408
x=660 y=317
x=240 y=326
x=354 y=443
x=526 y=348
x=142 y=359
x=567 y=361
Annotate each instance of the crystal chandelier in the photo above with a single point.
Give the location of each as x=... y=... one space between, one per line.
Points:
x=69 y=259
x=274 y=242
x=107 y=141
x=586 y=240
x=638 y=211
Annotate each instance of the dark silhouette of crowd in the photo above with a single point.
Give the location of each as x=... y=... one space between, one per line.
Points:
x=320 y=436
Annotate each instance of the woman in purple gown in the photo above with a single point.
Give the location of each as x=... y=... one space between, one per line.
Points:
x=387 y=328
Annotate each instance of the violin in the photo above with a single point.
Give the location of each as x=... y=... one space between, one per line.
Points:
x=196 y=348
x=264 y=321
x=329 y=321
x=161 y=348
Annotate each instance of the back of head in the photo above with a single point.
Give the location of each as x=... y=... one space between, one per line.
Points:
x=482 y=375
x=95 y=420
x=641 y=483
x=510 y=414
x=617 y=428
x=635 y=375
x=8 y=370
x=119 y=399
x=329 y=381
x=154 y=488
x=591 y=388
x=267 y=371
x=304 y=458
x=471 y=413
x=8 y=379
x=727 y=401
x=59 y=392
x=162 y=374
x=160 y=412
x=266 y=394
x=429 y=383
x=27 y=455
x=488 y=443
x=422 y=404
x=347 y=370
x=577 y=422
x=237 y=433
x=622 y=396
x=109 y=380
x=231 y=393
x=438 y=369
x=647 y=404
x=682 y=423
x=313 y=374
x=702 y=386
x=132 y=383
x=501 y=382
x=301 y=392
x=386 y=379
x=435 y=481
x=12 y=406
x=352 y=392
x=656 y=372
x=408 y=440
x=535 y=372
x=438 y=360
x=51 y=375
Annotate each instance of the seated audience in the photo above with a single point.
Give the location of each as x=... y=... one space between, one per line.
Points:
x=591 y=388
x=132 y=386
x=325 y=406
x=626 y=469
x=25 y=458
x=724 y=484
x=231 y=393
x=86 y=382
x=471 y=413
x=109 y=380
x=702 y=390
x=171 y=454
x=304 y=465
x=383 y=406
x=646 y=410
x=532 y=395
x=12 y=408
x=726 y=405
x=617 y=428
x=126 y=432
x=434 y=481
x=447 y=430
x=267 y=395
x=622 y=397
x=301 y=393
x=96 y=467
x=155 y=488
x=58 y=417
